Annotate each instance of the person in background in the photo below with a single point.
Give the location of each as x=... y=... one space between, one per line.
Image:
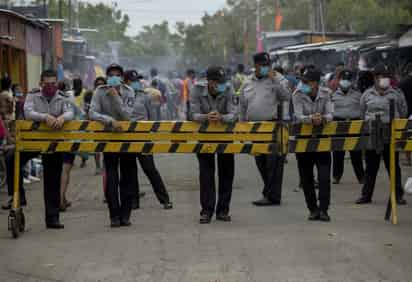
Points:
x=19 y=98
x=346 y=104
x=259 y=100
x=155 y=99
x=68 y=158
x=111 y=104
x=142 y=103
x=334 y=82
x=172 y=98
x=51 y=107
x=312 y=105
x=406 y=86
x=213 y=103
x=239 y=79
x=188 y=83
x=376 y=101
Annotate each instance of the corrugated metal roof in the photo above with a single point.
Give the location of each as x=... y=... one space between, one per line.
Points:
x=34 y=22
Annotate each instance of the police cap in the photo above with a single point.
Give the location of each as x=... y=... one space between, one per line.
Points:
x=216 y=73
x=261 y=58
x=114 y=67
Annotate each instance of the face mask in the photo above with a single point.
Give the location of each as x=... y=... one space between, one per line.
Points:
x=264 y=71
x=49 y=91
x=114 y=81
x=345 y=84
x=136 y=85
x=384 y=83
x=221 y=88
x=305 y=88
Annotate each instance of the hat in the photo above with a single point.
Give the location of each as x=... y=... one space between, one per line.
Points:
x=381 y=69
x=346 y=75
x=114 y=67
x=216 y=73
x=311 y=75
x=132 y=75
x=262 y=58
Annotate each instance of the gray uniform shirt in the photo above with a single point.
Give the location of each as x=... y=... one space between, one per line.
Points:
x=346 y=105
x=259 y=99
x=373 y=104
x=107 y=108
x=305 y=107
x=202 y=103
x=37 y=107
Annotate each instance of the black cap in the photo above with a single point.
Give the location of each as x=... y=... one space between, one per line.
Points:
x=216 y=73
x=132 y=75
x=311 y=75
x=346 y=75
x=114 y=67
x=381 y=69
x=262 y=58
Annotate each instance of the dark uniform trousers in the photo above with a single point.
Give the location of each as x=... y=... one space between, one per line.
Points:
x=339 y=164
x=124 y=184
x=373 y=160
x=149 y=168
x=24 y=158
x=271 y=169
x=307 y=162
x=52 y=171
x=226 y=173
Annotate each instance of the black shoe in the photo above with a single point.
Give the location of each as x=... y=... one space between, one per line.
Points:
x=314 y=215
x=205 y=219
x=401 y=202
x=336 y=180
x=168 y=206
x=363 y=201
x=54 y=225
x=223 y=217
x=115 y=223
x=264 y=202
x=323 y=216
x=125 y=222
x=142 y=194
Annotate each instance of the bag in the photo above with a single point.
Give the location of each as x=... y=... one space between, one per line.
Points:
x=408 y=186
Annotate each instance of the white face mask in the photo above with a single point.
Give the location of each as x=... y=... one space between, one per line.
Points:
x=345 y=84
x=384 y=83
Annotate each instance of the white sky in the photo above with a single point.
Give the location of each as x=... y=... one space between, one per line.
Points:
x=149 y=12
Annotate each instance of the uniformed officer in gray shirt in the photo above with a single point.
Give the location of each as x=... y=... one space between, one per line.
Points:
x=142 y=112
x=49 y=105
x=213 y=101
x=312 y=104
x=259 y=100
x=376 y=101
x=110 y=104
x=346 y=105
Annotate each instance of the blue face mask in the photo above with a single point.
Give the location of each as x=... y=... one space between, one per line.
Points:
x=18 y=94
x=114 y=81
x=305 y=88
x=264 y=71
x=221 y=88
x=136 y=85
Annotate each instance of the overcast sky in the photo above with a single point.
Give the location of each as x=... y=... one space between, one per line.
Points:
x=148 y=12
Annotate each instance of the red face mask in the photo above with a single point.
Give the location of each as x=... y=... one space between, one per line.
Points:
x=49 y=91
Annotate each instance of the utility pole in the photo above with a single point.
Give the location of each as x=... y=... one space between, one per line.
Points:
x=245 y=43
x=259 y=40
x=60 y=9
x=278 y=16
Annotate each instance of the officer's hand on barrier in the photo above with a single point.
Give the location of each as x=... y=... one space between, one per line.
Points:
x=50 y=121
x=113 y=92
x=116 y=126
x=214 y=116
x=317 y=119
x=59 y=123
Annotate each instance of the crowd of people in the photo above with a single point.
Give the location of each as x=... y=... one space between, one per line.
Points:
x=216 y=95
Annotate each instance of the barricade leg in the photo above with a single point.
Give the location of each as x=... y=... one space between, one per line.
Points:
x=394 y=217
x=16 y=217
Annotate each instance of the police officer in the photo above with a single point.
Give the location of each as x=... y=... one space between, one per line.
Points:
x=259 y=100
x=346 y=104
x=376 y=101
x=312 y=105
x=212 y=102
x=110 y=104
x=142 y=103
x=50 y=106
